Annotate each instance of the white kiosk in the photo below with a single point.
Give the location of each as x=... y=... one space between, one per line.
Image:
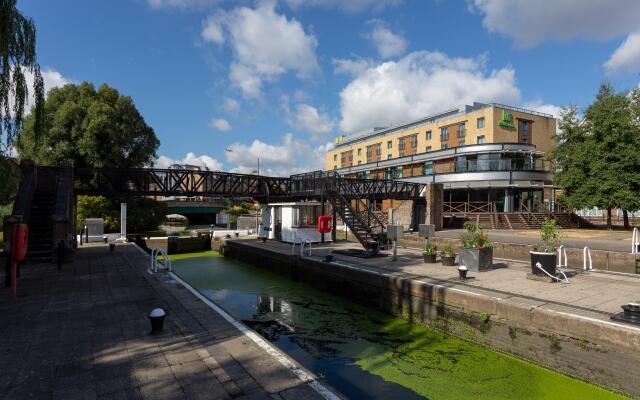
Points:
x=292 y=222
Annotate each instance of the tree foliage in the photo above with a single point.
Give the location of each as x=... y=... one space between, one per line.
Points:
x=17 y=58
x=598 y=159
x=9 y=180
x=89 y=128
x=143 y=214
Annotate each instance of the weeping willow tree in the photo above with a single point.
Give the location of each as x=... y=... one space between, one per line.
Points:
x=18 y=71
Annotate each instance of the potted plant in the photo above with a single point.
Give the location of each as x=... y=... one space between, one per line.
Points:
x=544 y=257
x=429 y=252
x=448 y=256
x=477 y=253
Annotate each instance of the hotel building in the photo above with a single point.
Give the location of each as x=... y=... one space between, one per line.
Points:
x=483 y=158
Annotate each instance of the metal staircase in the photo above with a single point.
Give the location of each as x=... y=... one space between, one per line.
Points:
x=41 y=227
x=356 y=212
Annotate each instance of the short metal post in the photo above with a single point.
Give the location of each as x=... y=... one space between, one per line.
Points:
x=86 y=234
x=395 y=251
x=81 y=234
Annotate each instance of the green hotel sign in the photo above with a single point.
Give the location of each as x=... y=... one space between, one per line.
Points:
x=507 y=120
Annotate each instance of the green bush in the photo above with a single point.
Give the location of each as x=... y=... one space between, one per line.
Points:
x=474 y=237
x=143 y=214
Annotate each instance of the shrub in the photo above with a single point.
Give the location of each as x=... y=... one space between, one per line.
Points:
x=474 y=237
x=550 y=235
x=448 y=251
x=429 y=248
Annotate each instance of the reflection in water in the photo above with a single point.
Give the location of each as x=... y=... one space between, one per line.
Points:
x=367 y=354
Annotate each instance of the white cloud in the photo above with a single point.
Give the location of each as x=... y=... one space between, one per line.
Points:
x=626 y=58
x=540 y=106
x=307 y=118
x=183 y=4
x=220 y=124
x=265 y=45
x=531 y=22
x=190 y=158
x=289 y=157
x=351 y=67
x=419 y=84
x=232 y=106
x=386 y=43
x=345 y=5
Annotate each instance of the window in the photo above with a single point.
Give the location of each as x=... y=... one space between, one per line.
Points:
x=428 y=149
x=444 y=146
x=461 y=130
x=369 y=150
x=388 y=156
x=414 y=140
x=401 y=154
x=359 y=152
x=335 y=167
x=460 y=142
x=427 y=168
x=481 y=139
x=351 y=156
x=401 y=143
x=444 y=133
x=359 y=162
x=428 y=135
x=524 y=131
x=378 y=148
x=306 y=216
x=480 y=123
x=398 y=172
x=335 y=157
x=389 y=144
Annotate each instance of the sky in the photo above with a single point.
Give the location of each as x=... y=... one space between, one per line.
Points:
x=224 y=83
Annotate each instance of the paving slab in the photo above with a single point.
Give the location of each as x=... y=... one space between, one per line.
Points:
x=83 y=333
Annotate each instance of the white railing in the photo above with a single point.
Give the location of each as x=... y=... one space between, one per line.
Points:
x=166 y=262
x=302 y=245
x=562 y=255
x=635 y=241
x=586 y=254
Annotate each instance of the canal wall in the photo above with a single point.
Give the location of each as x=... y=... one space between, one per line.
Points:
x=582 y=345
x=615 y=261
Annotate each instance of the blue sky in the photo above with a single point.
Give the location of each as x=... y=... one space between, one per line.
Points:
x=278 y=79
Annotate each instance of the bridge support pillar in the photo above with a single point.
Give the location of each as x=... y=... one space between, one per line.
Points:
x=434 y=197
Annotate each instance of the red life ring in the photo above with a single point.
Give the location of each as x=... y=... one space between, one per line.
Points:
x=324 y=224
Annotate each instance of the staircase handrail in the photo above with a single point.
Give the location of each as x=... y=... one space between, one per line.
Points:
x=166 y=261
x=349 y=189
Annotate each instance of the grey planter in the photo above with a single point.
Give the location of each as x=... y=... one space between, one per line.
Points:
x=476 y=260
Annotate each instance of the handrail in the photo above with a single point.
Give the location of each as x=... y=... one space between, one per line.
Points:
x=166 y=262
x=562 y=251
x=302 y=245
x=586 y=252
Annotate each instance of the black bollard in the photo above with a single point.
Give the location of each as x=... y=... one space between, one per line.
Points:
x=156 y=316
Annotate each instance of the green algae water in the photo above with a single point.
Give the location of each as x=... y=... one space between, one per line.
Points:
x=364 y=353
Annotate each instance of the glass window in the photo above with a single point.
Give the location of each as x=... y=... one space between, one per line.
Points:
x=414 y=140
x=427 y=169
x=428 y=149
x=444 y=146
x=378 y=147
x=351 y=156
x=444 y=133
x=401 y=143
x=359 y=152
x=388 y=156
x=460 y=142
x=399 y=172
x=461 y=130
x=335 y=157
x=481 y=139
x=428 y=135
x=388 y=173
x=389 y=144
x=359 y=162
x=480 y=122
x=305 y=216
x=369 y=151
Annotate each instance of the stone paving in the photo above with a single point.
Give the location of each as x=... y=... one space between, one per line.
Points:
x=83 y=333
x=596 y=294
